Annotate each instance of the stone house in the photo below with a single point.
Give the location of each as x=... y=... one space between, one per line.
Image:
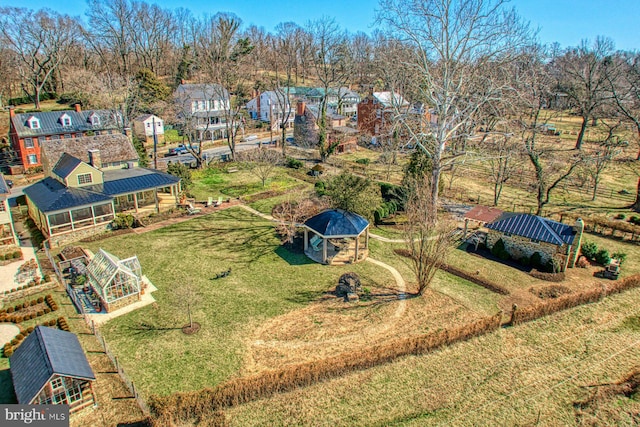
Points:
x=526 y=234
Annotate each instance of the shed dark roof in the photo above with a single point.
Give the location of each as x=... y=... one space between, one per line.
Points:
x=50 y=123
x=49 y=195
x=534 y=227
x=65 y=165
x=336 y=222
x=45 y=352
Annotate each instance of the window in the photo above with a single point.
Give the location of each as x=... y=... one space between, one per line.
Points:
x=130 y=198
x=94 y=119
x=34 y=123
x=53 y=137
x=28 y=143
x=33 y=159
x=97 y=132
x=41 y=139
x=67 y=136
x=3 y=208
x=148 y=125
x=84 y=178
x=56 y=383
x=65 y=120
x=74 y=392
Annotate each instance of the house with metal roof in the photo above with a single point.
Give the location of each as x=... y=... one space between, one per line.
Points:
x=29 y=131
x=203 y=108
x=526 y=234
x=7 y=232
x=79 y=198
x=50 y=367
x=337 y=237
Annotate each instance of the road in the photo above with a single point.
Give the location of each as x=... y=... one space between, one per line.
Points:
x=215 y=152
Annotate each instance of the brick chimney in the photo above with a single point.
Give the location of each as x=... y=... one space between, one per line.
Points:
x=127 y=131
x=300 y=107
x=94 y=159
x=78 y=107
x=12 y=111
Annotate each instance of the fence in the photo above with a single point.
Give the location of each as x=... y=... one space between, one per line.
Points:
x=72 y=295
x=125 y=379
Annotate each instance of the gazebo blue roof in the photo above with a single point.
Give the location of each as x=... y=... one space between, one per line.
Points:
x=337 y=222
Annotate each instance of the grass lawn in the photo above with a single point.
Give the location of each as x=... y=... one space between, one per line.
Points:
x=266 y=281
x=532 y=374
x=214 y=182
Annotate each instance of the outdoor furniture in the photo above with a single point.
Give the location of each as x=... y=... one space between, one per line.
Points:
x=316 y=242
x=192 y=210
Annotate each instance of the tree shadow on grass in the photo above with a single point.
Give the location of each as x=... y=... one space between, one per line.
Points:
x=305 y=297
x=148 y=329
x=7 y=395
x=293 y=258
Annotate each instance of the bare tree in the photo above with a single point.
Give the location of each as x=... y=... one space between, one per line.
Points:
x=329 y=48
x=453 y=45
x=551 y=165
x=428 y=240
x=600 y=158
x=503 y=156
x=41 y=41
x=223 y=55
x=583 y=76
x=261 y=162
x=292 y=213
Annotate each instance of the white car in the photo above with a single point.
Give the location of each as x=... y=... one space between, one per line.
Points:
x=249 y=138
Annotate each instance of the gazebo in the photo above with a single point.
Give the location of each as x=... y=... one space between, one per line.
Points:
x=115 y=281
x=336 y=237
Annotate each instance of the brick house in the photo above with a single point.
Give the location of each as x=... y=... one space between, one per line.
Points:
x=29 y=131
x=526 y=234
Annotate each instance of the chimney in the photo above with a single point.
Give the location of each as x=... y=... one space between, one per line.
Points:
x=300 y=107
x=78 y=107
x=12 y=111
x=94 y=159
x=127 y=131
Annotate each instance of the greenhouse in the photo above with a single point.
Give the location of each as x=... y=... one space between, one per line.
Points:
x=116 y=282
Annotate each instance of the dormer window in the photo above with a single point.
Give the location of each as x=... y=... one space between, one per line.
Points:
x=33 y=122
x=65 y=120
x=94 y=119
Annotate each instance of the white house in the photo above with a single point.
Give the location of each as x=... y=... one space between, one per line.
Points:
x=272 y=107
x=203 y=108
x=148 y=126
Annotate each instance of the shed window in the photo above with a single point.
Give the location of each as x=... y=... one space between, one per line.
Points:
x=33 y=159
x=28 y=143
x=61 y=218
x=74 y=392
x=84 y=178
x=56 y=383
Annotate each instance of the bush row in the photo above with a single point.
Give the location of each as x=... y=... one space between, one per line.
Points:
x=14 y=314
x=592 y=252
x=203 y=403
x=7 y=256
x=521 y=315
x=34 y=282
x=597 y=224
x=10 y=347
x=549 y=277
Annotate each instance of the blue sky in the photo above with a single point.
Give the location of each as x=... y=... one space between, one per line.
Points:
x=564 y=21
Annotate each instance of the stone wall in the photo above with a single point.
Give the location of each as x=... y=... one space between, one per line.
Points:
x=23 y=293
x=58 y=240
x=518 y=246
x=122 y=302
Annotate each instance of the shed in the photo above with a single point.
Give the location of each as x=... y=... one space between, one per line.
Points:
x=336 y=237
x=50 y=367
x=115 y=281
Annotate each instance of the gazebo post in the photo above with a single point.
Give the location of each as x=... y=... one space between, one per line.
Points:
x=366 y=239
x=324 y=250
x=357 y=242
x=306 y=239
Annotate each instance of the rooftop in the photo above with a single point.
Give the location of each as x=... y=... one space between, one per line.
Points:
x=337 y=222
x=534 y=227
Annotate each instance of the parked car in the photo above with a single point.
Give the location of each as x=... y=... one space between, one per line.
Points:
x=249 y=138
x=180 y=149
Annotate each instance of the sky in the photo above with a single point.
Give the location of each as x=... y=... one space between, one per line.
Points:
x=564 y=21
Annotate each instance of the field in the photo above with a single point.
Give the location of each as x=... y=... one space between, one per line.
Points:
x=533 y=374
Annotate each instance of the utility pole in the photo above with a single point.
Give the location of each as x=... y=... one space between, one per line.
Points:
x=155 y=143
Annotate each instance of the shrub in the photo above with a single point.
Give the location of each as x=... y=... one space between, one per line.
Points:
x=294 y=163
x=583 y=262
x=602 y=257
x=498 y=248
x=46 y=278
x=363 y=161
x=14 y=341
x=30 y=329
x=40 y=313
x=47 y=310
x=589 y=250
x=40 y=300
x=620 y=256
x=20 y=336
x=525 y=261
x=122 y=221
x=621 y=216
x=536 y=259
x=25 y=304
x=320 y=188
x=7 y=350
x=17 y=254
x=504 y=255
x=10 y=310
